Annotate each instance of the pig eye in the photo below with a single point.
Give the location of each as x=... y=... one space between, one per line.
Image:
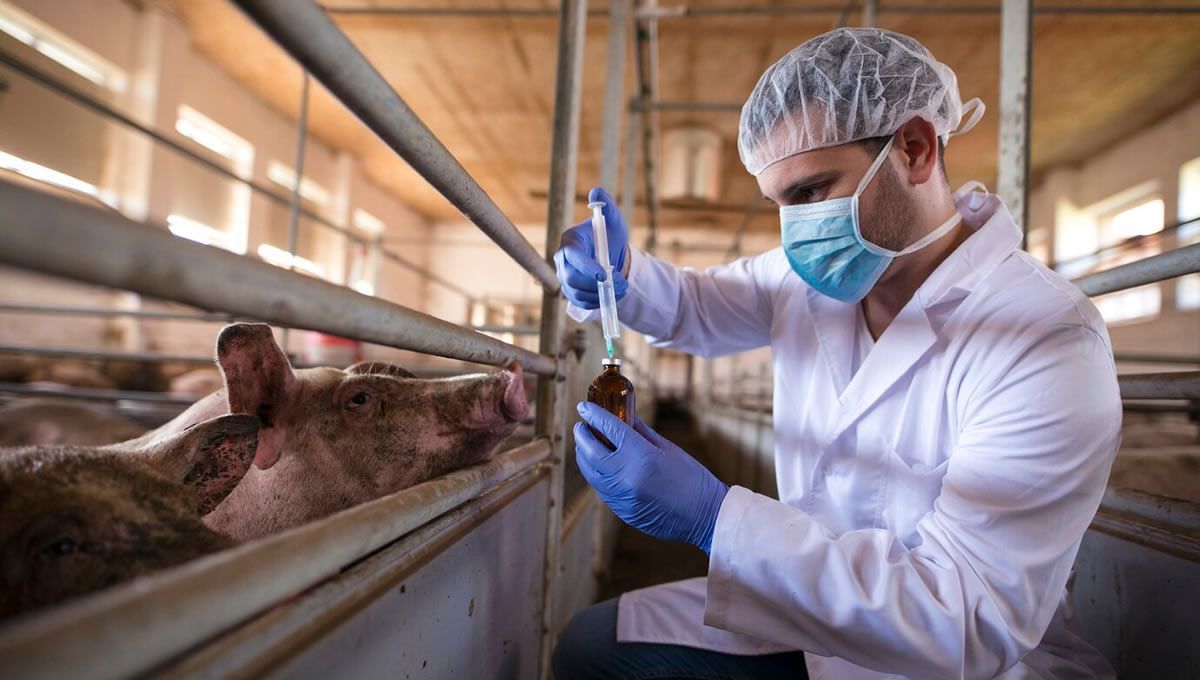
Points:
x=359 y=399
x=62 y=547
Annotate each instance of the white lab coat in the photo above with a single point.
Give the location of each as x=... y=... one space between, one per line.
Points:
x=931 y=504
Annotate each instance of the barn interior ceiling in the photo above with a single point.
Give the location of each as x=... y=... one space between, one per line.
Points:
x=484 y=84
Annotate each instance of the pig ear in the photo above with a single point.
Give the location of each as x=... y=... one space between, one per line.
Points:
x=379 y=368
x=210 y=457
x=258 y=381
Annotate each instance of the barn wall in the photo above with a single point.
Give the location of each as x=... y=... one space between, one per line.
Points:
x=150 y=181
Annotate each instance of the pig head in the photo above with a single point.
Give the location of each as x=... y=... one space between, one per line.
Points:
x=76 y=519
x=330 y=438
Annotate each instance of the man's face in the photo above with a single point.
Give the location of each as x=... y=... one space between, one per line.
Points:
x=886 y=209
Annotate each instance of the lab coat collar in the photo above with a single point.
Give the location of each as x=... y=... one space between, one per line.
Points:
x=911 y=334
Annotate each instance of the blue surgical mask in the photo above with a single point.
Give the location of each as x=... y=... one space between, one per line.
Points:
x=825 y=246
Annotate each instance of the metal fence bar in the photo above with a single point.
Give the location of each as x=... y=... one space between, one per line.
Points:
x=614 y=76
x=61 y=237
x=1150 y=358
x=94 y=394
x=1016 y=56
x=686 y=11
x=303 y=29
x=51 y=310
x=87 y=101
x=100 y=354
x=79 y=639
x=1168 y=265
x=515 y=330
x=647 y=43
x=552 y=394
x=1178 y=385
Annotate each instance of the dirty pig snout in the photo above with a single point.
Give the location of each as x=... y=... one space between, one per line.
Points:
x=513 y=403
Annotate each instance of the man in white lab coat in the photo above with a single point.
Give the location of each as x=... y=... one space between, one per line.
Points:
x=945 y=408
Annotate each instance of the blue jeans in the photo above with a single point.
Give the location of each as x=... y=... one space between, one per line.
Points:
x=588 y=649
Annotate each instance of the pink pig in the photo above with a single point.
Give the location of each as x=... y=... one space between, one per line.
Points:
x=331 y=438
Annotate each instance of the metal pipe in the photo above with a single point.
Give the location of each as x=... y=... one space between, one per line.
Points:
x=61 y=237
x=100 y=354
x=1168 y=265
x=515 y=330
x=1126 y=243
x=297 y=180
x=197 y=600
x=133 y=313
x=303 y=29
x=1152 y=358
x=95 y=394
x=614 y=76
x=87 y=101
x=1179 y=385
x=646 y=44
x=685 y=11
x=628 y=196
x=1016 y=56
x=552 y=394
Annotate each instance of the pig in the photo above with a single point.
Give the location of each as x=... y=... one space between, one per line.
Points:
x=77 y=519
x=45 y=422
x=73 y=374
x=333 y=438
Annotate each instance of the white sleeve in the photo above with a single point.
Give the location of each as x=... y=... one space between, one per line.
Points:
x=979 y=591
x=722 y=310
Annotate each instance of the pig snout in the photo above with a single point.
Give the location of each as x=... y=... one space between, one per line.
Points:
x=512 y=403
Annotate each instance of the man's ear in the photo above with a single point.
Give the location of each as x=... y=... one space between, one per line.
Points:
x=210 y=458
x=918 y=141
x=259 y=381
x=379 y=368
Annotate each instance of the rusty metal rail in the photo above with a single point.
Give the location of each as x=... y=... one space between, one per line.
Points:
x=306 y=32
x=224 y=589
x=1168 y=265
x=57 y=236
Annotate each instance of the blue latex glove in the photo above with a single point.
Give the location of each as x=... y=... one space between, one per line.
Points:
x=650 y=483
x=575 y=260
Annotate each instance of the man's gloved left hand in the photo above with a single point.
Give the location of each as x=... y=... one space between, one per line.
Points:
x=651 y=484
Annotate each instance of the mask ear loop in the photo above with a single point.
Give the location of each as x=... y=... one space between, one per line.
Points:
x=977 y=109
x=883 y=153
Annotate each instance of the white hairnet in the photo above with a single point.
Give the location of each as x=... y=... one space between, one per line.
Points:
x=842 y=86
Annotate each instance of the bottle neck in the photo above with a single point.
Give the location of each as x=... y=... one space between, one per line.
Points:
x=612 y=369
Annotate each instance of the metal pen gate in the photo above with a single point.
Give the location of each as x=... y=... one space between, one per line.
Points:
x=462 y=571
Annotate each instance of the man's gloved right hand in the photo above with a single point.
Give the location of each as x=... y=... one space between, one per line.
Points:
x=575 y=260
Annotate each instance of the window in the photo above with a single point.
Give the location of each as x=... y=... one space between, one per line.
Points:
x=1187 y=288
x=282 y=258
x=368 y=222
x=285 y=177
x=50 y=176
x=40 y=36
x=204 y=196
x=201 y=233
x=1122 y=226
x=216 y=138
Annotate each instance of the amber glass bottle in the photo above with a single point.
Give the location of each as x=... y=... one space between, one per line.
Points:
x=614 y=393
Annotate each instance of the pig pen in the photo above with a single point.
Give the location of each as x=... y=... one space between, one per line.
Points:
x=470 y=574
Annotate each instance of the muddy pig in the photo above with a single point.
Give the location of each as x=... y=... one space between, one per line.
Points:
x=44 y=422
x=77 y=519
x=333 y=438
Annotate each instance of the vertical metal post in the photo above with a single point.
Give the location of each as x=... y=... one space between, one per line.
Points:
x=294 y=211
x=614 y=81
x=552 y=391
x=870 y=11
x=647 y=60
x=628 y=198
x=1016 y=51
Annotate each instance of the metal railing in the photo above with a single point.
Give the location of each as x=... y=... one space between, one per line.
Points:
x=61 y=237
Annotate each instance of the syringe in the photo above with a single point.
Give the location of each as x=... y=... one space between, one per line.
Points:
x=608 y=294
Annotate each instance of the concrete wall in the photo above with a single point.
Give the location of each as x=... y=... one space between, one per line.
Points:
x=150 y=181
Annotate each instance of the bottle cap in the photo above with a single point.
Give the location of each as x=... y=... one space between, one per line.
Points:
x=610 y=361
